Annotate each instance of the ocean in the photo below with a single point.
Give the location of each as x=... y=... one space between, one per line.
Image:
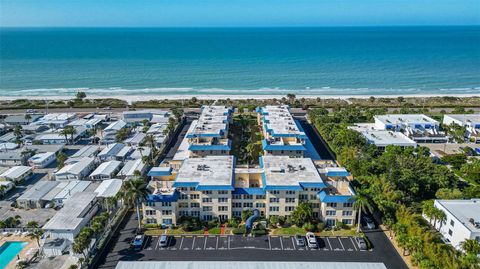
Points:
x=240 y=61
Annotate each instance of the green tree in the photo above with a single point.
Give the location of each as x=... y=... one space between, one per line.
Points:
x=61 y=158
x=302 y=214
x=81 y=95
x=471 y=246
x=133 y=192
x=361 y=203
x=82 y=241
x=28 y=117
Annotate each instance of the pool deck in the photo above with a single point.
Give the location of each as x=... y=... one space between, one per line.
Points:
x=30 y=244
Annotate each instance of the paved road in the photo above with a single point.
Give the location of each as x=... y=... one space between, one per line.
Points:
x=317 y=141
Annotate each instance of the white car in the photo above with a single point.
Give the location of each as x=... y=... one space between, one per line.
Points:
x=311 y=240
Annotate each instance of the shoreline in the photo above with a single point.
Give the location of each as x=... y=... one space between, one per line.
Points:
x=134 y=98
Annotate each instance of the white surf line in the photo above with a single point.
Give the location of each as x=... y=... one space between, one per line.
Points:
x=353 y=243
x=341 y=243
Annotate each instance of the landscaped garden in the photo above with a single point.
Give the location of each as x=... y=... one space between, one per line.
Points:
x=246 y=137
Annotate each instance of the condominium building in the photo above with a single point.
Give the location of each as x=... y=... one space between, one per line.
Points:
x=383 y=138
x=471 y=122
x=418 y=127
x=282 y=135
x=213 y=187
x=208 y=134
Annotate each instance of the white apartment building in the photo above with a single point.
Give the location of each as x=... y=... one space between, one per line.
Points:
x=383 y=138
x=462 y=222
x=471 y=122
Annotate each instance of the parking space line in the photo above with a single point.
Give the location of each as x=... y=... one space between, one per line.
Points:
x=353 y=243
x=205 y=243
x=157 y=243
x=193 y=243
x=281 y=242
x=293 y=243
x=329 y=243
x=269 y=244
x=216 y=244
x=228 y=242
x=341 y=243
x=181 y=243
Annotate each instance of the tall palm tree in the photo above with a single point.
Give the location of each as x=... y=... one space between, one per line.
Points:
x=362 y=202
x=150 y=140
x=28 y=117
x=70 y=130
x=428 y=210
x=17 y=131
x=65 y=133
x=440 y=216
x=133 y=192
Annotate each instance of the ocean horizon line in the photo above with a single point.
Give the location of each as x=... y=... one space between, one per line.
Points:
x=244 y=26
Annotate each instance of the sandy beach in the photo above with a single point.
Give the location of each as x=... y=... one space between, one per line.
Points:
x=133 y=98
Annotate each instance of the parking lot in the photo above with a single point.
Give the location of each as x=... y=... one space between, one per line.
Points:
x=237 y=242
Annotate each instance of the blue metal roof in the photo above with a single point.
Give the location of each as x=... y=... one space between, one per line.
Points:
x=250 y=191
x=283 y=188
x=325 y=198
x=312 y=184
x=160 y=171
x=214 y=188
x=184 y=184
x=163 y=198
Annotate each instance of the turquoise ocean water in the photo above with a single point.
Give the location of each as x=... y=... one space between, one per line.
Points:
x=247 y=61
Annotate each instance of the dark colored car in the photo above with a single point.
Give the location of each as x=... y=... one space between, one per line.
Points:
x=137 y=243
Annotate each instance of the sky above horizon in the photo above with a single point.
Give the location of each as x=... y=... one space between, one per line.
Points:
x=236 y=13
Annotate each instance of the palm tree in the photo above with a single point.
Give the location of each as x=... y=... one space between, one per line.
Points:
x=362 y=202
x=17 y=131
x=428 y=210
x=132 y=192
x=150 y=139
x=3 y=188
x=69 y=130
x=28 y=117
x=36 y=234
x=440 y=216
x=65 y=133
x=471 y=246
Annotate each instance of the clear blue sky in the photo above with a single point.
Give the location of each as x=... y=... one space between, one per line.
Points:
x=217 y=13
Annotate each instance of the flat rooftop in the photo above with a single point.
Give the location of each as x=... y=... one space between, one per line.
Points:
x=208 y=171
x=213 y=121
x=279 y=121
x=77 y=167
x=464 y=210
x=405 y=119
x=106 y=168
x=383 y=137
x=466 y=118
x=182 y=151
x=290 y=172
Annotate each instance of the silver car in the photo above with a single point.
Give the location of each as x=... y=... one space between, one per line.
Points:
x=163 y=241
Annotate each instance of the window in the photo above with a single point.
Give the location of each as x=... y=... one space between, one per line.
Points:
x=274 y=208
x=331 y=222
x=249 y=205
x=150 y=203
x=274 y=200
x=347 y=213
x=192 y=188
x=313 y=197
x=289 y=208
x=183 y=213
x=303 y=197
x=223 y=200
x=290 y=192
x=274 y=192
x=347 y=221
x=237 y=205
x=332 y=204
x=207 y=192
x=194 y=196
x=150 y=212
x=182 y=205
x=315 y=205
x=207 y=217
x=223 y=208
x=450 y=232
x=151 y=221
x=195 y=213
x=167 y=221
x=247 y=196
x=195 y=205
x=166 y=203
x=206 y=200
x=222 y=192
x=452 y=223
x=207 y=208
x=237 y=196
x=260 y=197
x=289 y=200
x=183 y=196
x=331 y=212
x=260 y=205
x=347 y=204
x=237 y=213
x=166 y=212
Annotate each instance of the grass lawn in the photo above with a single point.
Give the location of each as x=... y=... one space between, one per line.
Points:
x=215 y=230
x=288 y=231
x=245 y=130
x=156 y=232
x=347 y=232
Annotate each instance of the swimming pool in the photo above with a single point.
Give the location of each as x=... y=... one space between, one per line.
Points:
x=8 y=251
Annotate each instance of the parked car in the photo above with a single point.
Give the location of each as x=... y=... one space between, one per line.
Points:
x=299 y=240
x=362 y=245
x=137 y=243
x=163 y=241
x=311 y=240
x=369 y=224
